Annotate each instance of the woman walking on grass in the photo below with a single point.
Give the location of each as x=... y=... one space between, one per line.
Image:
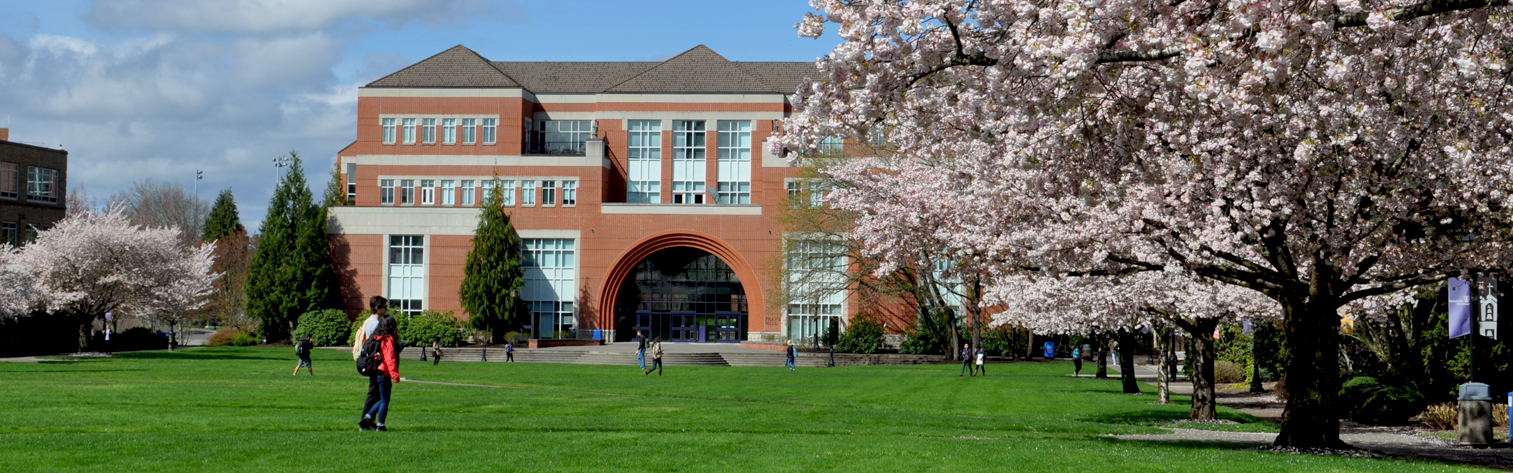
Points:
x=383 y=383
x=656 y=354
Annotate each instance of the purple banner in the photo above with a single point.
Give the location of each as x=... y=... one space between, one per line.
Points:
x=1460 y=307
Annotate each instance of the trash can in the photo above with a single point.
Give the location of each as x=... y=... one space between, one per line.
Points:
x=1475 y=415
x=598 y=334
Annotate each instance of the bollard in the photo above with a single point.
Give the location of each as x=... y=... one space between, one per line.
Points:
x=1475 y=416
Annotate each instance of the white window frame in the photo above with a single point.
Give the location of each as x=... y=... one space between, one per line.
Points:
x=351 y=183
x=427 y=192
x=733 y=163
x=548 y=193
x=386 y=191
x=406 y=192
x=469 y=196
x=409 y=130
x=41 y=184
x=644 y=177
x=689 y=162
x=469 y=131
x=569 y=193
x=428 y=131
x=550 y=289
x=404 y=288
x=485 y=186
x=388 y=130
x=448 y=192
x=490 y=130
x=528 y=193
x=507 y=193
x=449 y=131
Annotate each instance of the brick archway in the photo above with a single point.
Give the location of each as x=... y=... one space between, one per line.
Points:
x=609 y=294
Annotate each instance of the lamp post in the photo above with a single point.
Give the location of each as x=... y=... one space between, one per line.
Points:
x=198 y=176
x=278 y=164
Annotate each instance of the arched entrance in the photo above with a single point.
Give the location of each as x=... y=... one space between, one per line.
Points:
x=683 y=295
x=627 y=264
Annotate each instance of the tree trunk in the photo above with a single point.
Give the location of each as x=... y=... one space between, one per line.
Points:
x=85 y=327
x=1163 y=382
x=1313 y=373
x=1127 y=361
x=1102 y=372
x=1202 y=362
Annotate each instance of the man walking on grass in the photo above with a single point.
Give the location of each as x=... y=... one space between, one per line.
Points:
x=966 y=360
x=656 y=357
x=302 y=350
x=641 y=350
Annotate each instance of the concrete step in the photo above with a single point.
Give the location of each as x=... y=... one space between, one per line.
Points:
x=753 y=359
x=693 y=359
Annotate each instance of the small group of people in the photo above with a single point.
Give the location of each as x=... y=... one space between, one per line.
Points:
x=972 y=361
x=379 y=327
x=656 y=354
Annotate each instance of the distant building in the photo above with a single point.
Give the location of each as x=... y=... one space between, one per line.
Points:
x=33 y=180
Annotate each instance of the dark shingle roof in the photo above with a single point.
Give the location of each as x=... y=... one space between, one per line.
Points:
x=698 y=70
x=456 y=67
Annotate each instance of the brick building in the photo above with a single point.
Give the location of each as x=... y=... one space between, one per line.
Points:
x=643 y=192
x=32 y=183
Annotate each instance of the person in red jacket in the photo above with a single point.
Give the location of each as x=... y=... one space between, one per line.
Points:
x=374 y=418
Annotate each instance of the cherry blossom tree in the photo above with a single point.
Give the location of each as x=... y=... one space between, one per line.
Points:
x=1318 y=152
x=91 y=262
x=18 y=294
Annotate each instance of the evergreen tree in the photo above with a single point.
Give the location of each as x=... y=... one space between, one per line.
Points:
x=290 y=273
x=223 y=220
x=336 y=188
x=493 y=275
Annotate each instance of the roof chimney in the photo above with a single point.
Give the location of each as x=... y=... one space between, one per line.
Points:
x=5 y=134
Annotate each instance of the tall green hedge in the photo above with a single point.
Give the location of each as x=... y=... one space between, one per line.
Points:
x=863 y=336
x=326 y=328
x=428 y=326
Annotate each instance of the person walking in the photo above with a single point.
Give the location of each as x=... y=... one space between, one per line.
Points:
x=641 y=350
x=509 y=352
x=791 y=352
x=383 y=383
x=656 y=356
x=378 y=307
x=966 y=360
x=1077 y=361
x=302 y=350
x=982 y=367
x=436 y=352
x=1114 y=348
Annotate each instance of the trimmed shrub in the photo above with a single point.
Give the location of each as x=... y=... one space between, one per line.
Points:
x=232 y=337
x=864 y=336
x=325 y=327
x=1226 y=372
x=1371 y=402
x=428 y=326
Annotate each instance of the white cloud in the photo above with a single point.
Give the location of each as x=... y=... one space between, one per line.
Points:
x=275 y=16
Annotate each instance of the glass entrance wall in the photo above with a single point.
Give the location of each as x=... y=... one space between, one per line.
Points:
x=683 y=295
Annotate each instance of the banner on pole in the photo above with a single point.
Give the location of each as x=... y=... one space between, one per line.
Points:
x=1460 y=307
x=1486 y=315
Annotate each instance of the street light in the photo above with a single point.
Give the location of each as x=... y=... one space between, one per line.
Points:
x=278 y=164
x=198 y=176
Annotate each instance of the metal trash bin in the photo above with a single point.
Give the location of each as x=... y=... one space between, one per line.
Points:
x=1475 y=415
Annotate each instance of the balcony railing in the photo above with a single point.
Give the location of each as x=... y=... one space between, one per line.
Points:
x=555 y=148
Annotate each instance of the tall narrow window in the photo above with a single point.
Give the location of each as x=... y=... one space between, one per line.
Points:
x=9 y=235
x=351 y=183
x=733 y=172
x=645 y=173
x=449 y=131
x=9 y=174
x=468 y=131
x=688 y=162
x=550 y=286
x=467 y=193
x=386 y=191
x=488 y=188
x=569 y=192
x=548 y=193
x=409 y=131
x=428 y=131
x=406 y=192
x=448 y=192
x=507 y=193
x=490 y=129
x=388 y=127
x=527 y=193
x=407 y=272
x=427 y=192
x=41 y=184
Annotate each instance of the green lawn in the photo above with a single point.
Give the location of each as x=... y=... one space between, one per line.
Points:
x=237 y=409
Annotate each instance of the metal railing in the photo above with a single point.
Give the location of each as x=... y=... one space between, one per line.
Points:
x=557 y=148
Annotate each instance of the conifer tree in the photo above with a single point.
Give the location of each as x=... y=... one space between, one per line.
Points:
x=290 y=273
x=224 y=220
x=493 y=275
x=336 y=188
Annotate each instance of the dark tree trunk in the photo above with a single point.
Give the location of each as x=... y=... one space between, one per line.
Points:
x=1102 y=353
x=1202 y=362
x=1127 y=361
x=86 y=325
x=1313 y=372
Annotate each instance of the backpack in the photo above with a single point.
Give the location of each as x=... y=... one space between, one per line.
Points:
x=302 y=350
x=371 y=358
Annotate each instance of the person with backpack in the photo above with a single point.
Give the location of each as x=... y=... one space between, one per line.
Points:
x=302 y=350
x=377 y=307
x=509 y=352
x=435 y=352
x=1077 y=361
x=656 y=357
x=380 y=363
x=789 y=354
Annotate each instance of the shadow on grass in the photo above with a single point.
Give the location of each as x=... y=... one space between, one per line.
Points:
x=1148 y=417
x=210 y=353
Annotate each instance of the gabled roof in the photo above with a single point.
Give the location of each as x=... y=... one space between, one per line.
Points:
x=456 y=67
x=698 y=70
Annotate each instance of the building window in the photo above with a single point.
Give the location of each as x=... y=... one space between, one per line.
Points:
x=427 y=192
x=488 y=189
x=548 y=193
x=688 y=164
x=562 y=137
x=406 y=192
x=794 y=191
x=467 y=193
x=9 y=174
x=428 y=131
x=832 y=146
x=527 y=193
x=816 y=282
x=490 y=130
x=8 y=234
x=569 y=192
x=407 y=272
x=386 y=191
x=733 y=163
x=41 y=184
x=549 y=289
x=507 y=193
x=388 y=126
x=351 y=183
x=409 y=131
x=31 y=234
x=448 y=192
x=645 y=173
x=468 y=131
x=449 y=131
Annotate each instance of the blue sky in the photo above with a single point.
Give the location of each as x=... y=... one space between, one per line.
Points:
x=155 y=89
